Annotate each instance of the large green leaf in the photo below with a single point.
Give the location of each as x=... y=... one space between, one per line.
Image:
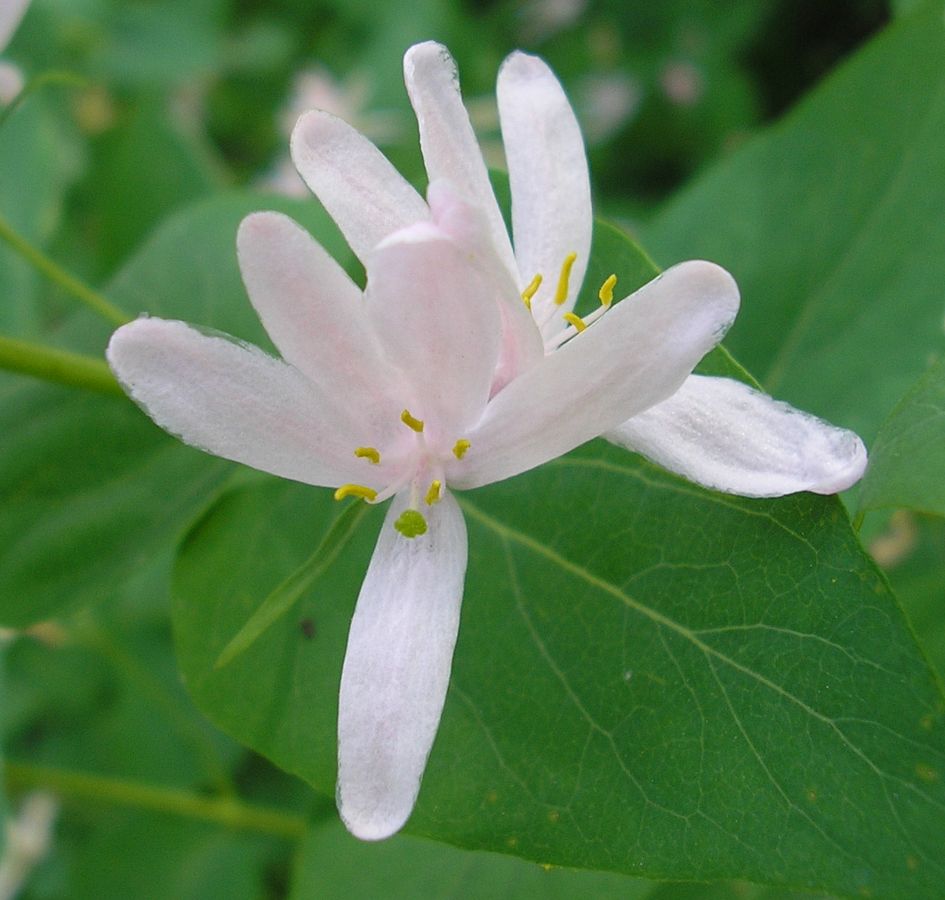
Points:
x=649 y=678
x=90 y=489
x=907 y=464
x=833 y=222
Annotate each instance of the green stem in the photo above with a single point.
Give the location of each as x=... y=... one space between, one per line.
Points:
x=227 y=811
x=281 y=600
x=53 y=271
x=61 y=366
x=40 y=81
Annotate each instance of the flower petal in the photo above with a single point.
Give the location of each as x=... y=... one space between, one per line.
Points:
x=434 y=316
x=551 y=194
x=355 y=182
x=723 y=434
x=637 y=355
x=11 y=13
x=397 y=668
x=317 y=318
x=522 y=344
x=447 y=140
x=232 y=400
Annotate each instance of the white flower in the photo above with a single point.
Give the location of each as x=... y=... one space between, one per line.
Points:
x=714 y=431
x=435 y=377
x=11 y=79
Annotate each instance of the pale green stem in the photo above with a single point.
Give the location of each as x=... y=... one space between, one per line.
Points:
x=61 y=366
x=53 y=271
x=227 y=811
x=40 y=81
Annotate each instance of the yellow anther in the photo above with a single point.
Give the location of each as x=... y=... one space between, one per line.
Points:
x=606 y=292
x=368 y=453
x=433 y=494
x=575 y=320
x=411 y=422
x=355 y=490
x=561 y=294
x=460 y=448
x=530 y=291
x=411 y=523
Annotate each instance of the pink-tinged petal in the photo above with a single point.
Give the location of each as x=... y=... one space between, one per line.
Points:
x=397 y=668
x=317 y=318
x=11 y=82
x=636 y=356
x=234 y=401
x=447 y=140
x=522 y=344
x=551 y=195
x=11 y=13
x=723 y=434
x=356 y=183
x=434 y=316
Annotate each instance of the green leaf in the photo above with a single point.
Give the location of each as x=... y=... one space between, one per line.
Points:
x=33 y=168
x=143 y=169
x=912 y=553
x=332 y=863
x=907 y=463
x=649 y=678
x=833 y=223
x=91 y=490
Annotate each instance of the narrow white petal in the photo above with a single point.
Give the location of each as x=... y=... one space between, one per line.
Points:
x=11 y=81
x=447 y=140
x=356 y=183
x=723 y=434
x=397 y=668
x=232 y=400
x=11 y=13
x=551 y=194
x=637 y=355
x=316 y=317
x=434 y=315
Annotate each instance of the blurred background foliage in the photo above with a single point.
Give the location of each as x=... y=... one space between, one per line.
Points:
x=180 y=99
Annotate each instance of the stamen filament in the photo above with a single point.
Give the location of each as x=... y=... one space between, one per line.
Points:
x=433 y=494
x=460 y=448
x=356 y=490
x=530 y=291
x=606 y=292
x=411 y=422
x=561 y=294
x=368 y=453
x=575 y=320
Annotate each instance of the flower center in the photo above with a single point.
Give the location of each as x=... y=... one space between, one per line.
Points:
x=422 y=464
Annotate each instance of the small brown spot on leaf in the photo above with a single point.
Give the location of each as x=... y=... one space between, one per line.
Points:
x=307 y=627
x=926 y=772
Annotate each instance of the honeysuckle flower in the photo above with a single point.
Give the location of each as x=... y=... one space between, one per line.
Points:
x=439 y=376
x=11 y=79
x=389 y=393
x=716 y=432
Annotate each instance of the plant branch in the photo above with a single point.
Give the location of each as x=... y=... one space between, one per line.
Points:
x=56 y=365
x=226 y=811
x=53 y=271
